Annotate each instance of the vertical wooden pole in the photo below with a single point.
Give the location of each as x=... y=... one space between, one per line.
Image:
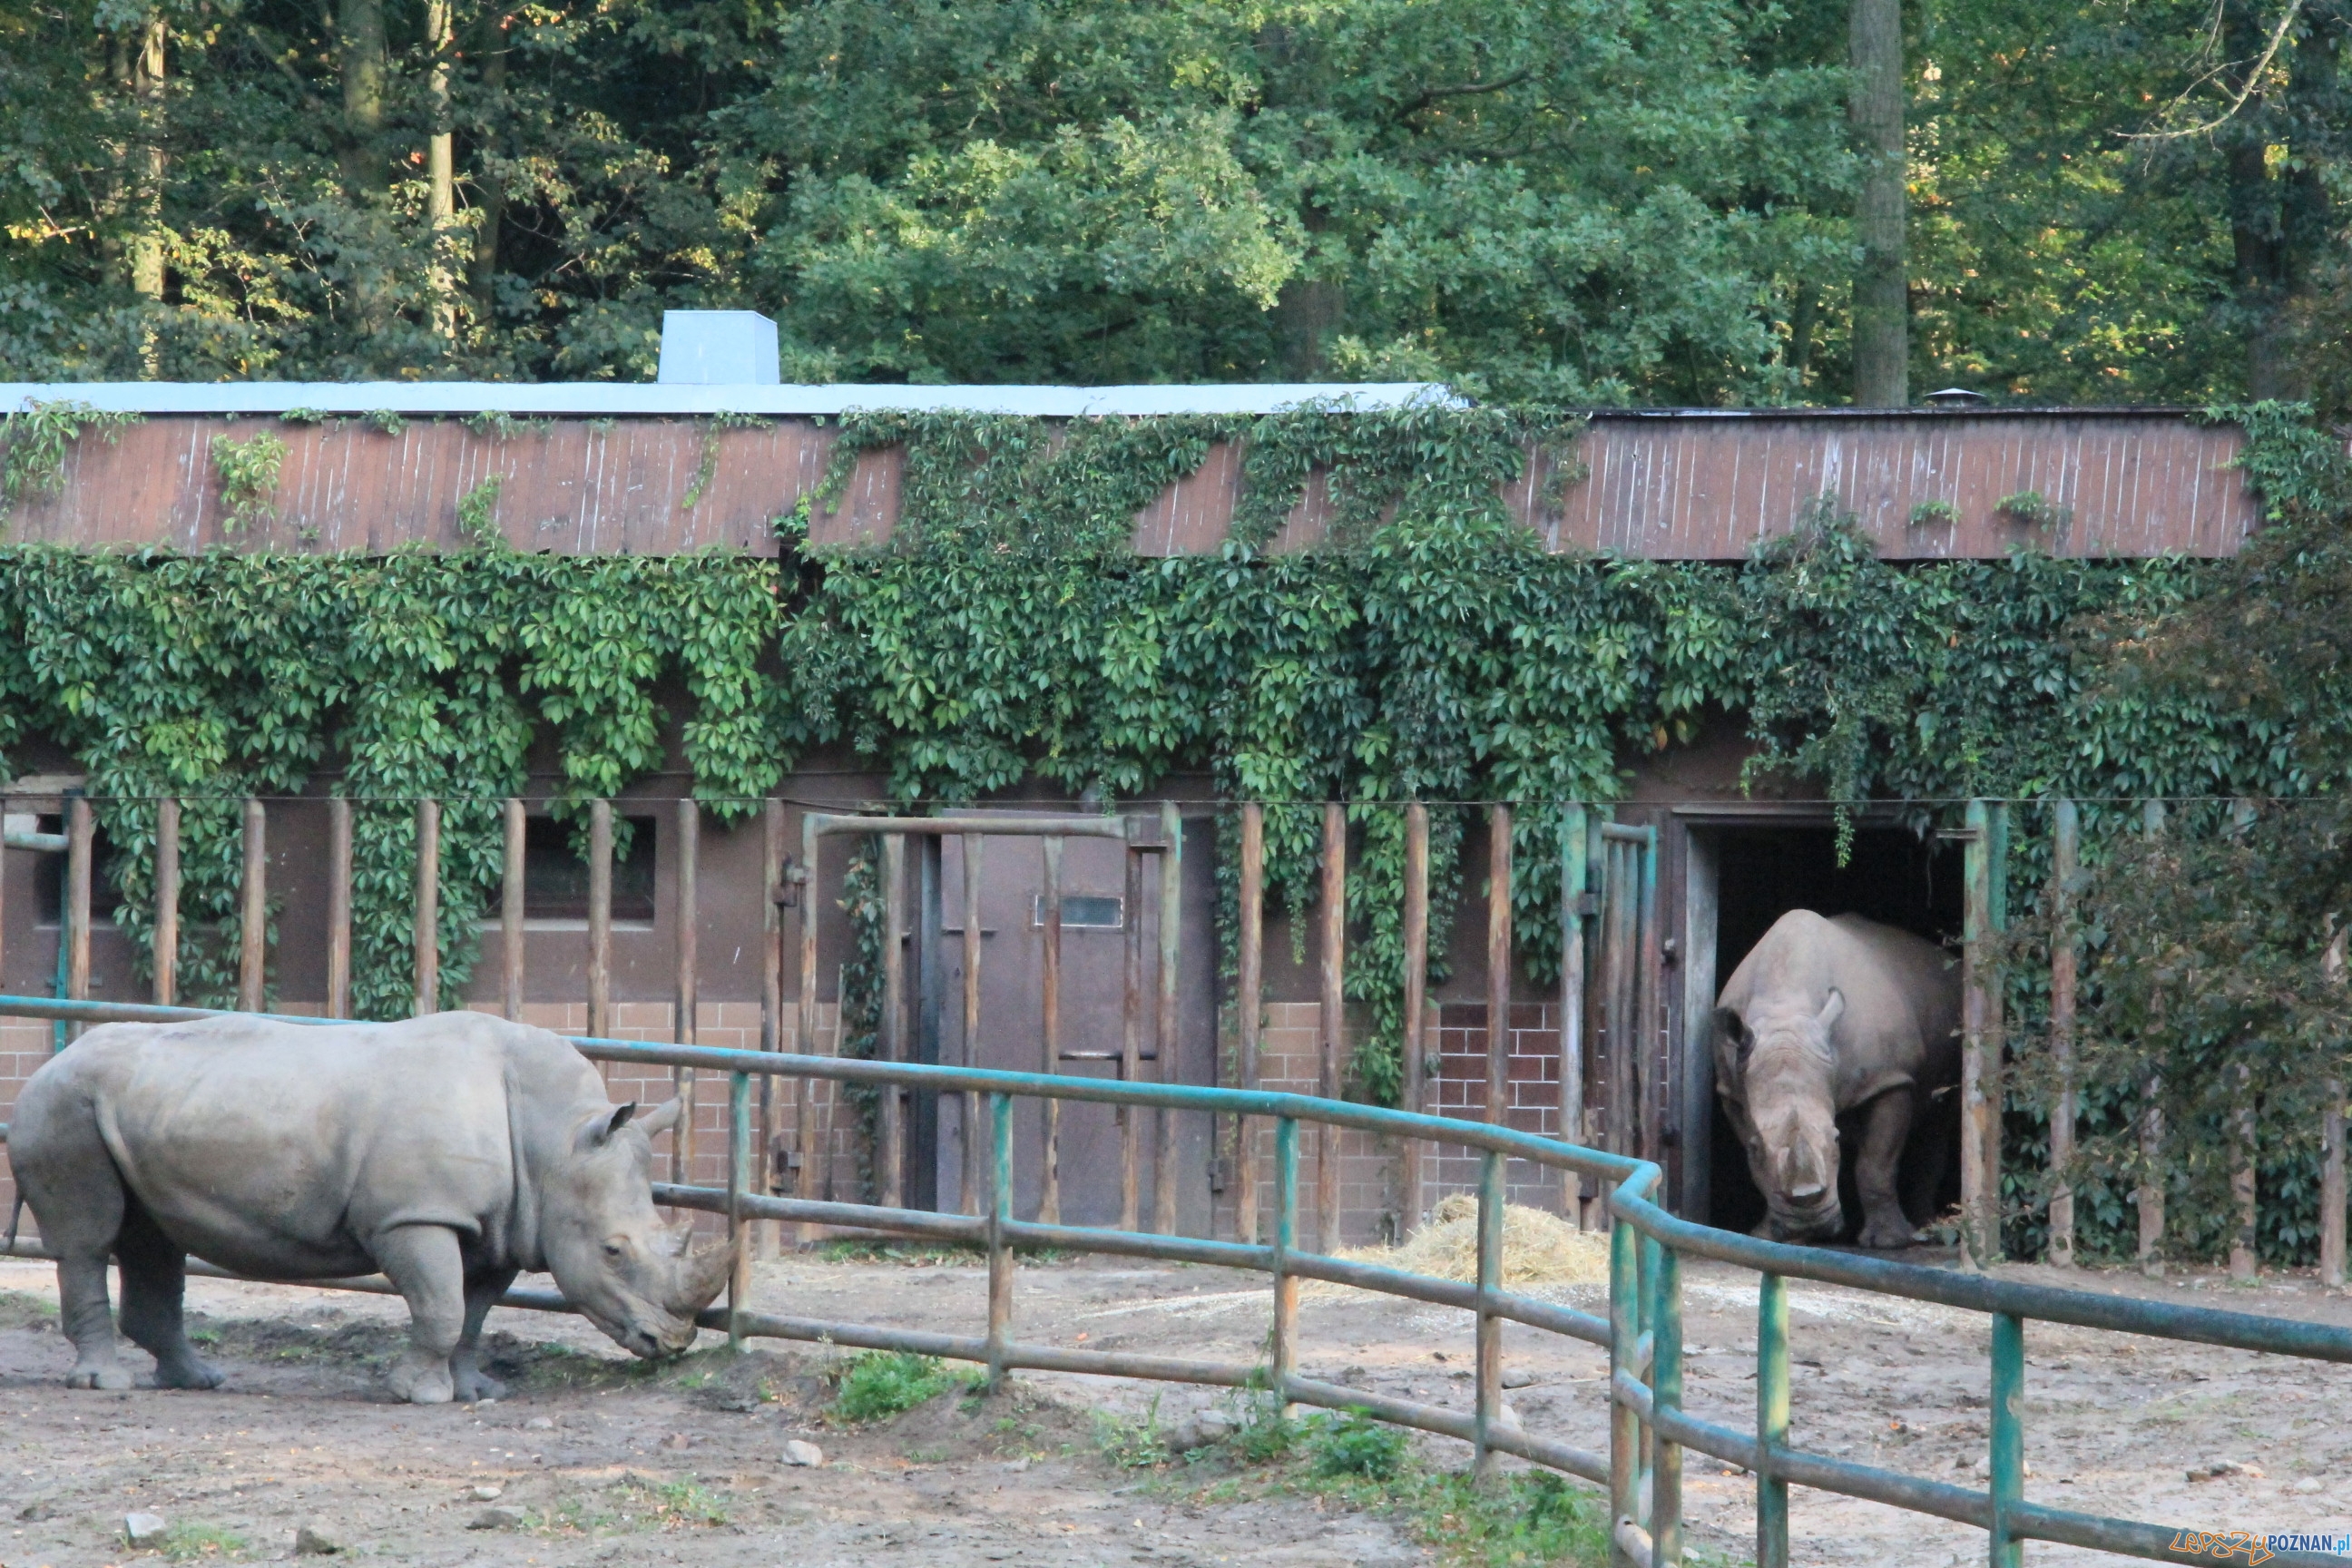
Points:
x=1000 y=1248
x=2006 y=1450
x=893 y=1031
x=255 y=910
x=165 y=948
x=1498 y=964
x=81 y=828
x=2066 y=861
x=427 y=930
x=512 y=908
x=1172 y=935
x=1979 y=1069
x=1573 y=861
x=1417 y=1002
x=1249 y=1003
x=1131 y=1042
x=3 y=894
x=975 y=1139
x=1771 y=1420
x=739 y=1145
x=2332 y=1196
x=1487 y=1389
x=686 y=1001
x=806 y=1179
x=1334 y=1022
x=1282 y=1338
x=1049 y=1205
x=599 y=920
x=1648 y=1004
x=771 y=998
x=2150 y=1193
x=339 y=907
x=2243 y=1266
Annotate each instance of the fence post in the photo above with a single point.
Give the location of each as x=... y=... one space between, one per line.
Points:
x=81 y=829
x=512 y=908
x=1574 y=859
x=2151 y=1120
x=2331 y=1145
x=1049 y=1203
x=1624 y=1425
x=1130 y=1041
x=738 y=1148
x=1771 y=1420
x=1171 y=952
x=2007 y=1456
x=427 y=927
x=2065 y=854
x=1667 y=1393
x=685 y=1022
x=972 y=1131
x=1416 y=999
x=1249 y=1003
x=2243 y=1267
x=805 y=1181
x=893 y=1041
x=339 y=907
x=255 y=910
x=771 y=998
x=1979 y=1050
x=164 y=950
x=1000 y=1251
x=599 y=919
x=1498 y=964
x=1281 y=1349
x=1332 y=1017
x=1488 y=1392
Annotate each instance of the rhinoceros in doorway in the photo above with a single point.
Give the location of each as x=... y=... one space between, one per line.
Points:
x=450 y=1152
x=1828 y=1018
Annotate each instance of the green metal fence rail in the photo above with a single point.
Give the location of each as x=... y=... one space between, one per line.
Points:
x=1643 y=1332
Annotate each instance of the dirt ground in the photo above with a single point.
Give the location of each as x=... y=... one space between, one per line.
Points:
x=602 y=1460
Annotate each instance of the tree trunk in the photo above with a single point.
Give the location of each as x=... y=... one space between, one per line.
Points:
x=364 y=63
x=2279 y=220
x=1882 y=352
x=490 y=189
x=1308 y=310
x=440 y=171
x=147 y=87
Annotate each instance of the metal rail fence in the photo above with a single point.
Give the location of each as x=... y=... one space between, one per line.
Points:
x=1649 y=1427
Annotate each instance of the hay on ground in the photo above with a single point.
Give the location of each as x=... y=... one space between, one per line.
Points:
x=1538 y=1249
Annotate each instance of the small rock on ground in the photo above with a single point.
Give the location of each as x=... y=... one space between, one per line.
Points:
x=497 y=1519
x=312 y=1542
x=139 y=1529
x=539 y=1424
x=488 y=1493
x=800 y=1452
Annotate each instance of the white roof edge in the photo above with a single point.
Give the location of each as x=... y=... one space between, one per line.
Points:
x=615 y=398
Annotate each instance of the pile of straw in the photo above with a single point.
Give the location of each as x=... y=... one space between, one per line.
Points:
x=1538 y=1249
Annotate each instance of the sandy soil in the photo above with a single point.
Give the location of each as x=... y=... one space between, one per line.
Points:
x=607 y=1461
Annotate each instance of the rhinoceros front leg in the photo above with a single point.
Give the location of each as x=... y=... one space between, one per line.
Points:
x=466 y=1375
x=1876 y=1171
x=425 y=1264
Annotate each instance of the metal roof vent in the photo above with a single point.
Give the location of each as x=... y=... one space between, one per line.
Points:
x=1953 y=397
x=718 y=348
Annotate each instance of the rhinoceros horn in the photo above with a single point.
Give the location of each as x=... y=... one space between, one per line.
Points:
x=702 y=1274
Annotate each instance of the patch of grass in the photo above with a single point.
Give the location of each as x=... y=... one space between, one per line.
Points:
x=640 y=1502
x=1263 y=1433
x=187 y=1542
x=1356 y=1445
x=20 y=1310
x=1521 y=1522
x=876 y=1384
x=1132 y=1444
x=933 y=1254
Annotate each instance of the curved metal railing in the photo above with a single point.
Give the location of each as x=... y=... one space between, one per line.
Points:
x=1649 y=1427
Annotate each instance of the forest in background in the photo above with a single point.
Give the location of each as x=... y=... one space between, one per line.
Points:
x=1554 y=201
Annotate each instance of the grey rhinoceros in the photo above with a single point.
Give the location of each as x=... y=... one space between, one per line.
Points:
x=450 y=1152
x=1827 y=1017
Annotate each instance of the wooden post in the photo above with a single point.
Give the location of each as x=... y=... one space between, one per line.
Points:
x=1249 y=1004
x=339 y=907
x=686 y=999
x=512 y=908
x=1498 y=964
x=599 y=920
x=1332 y=1033
x=2152 y=1122
x=1979 y=1063
x=2331 y=1145
x=1573 y=859
x=1416 y=1001
x=2065 y=858
x=429 y=907
x=1171 y=932
x=1049 y=905
x=807 y=1179
x=81 y=828
x=164 y=950
x=975 y=1131
x=764 y=1236
x=255 y=912
x=1130 y=1043
x=892 y=1035
x=2243 y=1267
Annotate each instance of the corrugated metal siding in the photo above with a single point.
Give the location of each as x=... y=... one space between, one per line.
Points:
x=1688 y=487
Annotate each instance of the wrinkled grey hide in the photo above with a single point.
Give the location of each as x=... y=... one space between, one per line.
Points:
x=1827 y=1017
x=450 y=1152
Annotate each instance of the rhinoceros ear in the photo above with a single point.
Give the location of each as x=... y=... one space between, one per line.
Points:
x=598 y=1129
x=1832 y=1009
x=1733 y=1028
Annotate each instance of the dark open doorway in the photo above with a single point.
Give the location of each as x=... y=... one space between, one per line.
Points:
x=1757 y=872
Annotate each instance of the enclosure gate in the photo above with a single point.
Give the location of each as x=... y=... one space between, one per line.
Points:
x=1643 y=1333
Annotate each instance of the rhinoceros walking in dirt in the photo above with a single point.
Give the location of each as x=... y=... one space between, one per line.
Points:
x=1827 y=1017
x=450 y=1152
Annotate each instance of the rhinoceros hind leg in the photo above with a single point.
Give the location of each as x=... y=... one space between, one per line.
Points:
x=1874 y=1170
x=74 y=1190
x=424 y=1263
x=155 y=1285
x=466 y=1375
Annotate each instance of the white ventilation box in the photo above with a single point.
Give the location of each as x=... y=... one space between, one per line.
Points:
x=718 y=348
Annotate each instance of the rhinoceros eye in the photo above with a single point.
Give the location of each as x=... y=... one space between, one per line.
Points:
x=612 y=1250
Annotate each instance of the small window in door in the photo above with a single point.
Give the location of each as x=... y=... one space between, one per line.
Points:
x=1091 y=912
x=555 y=873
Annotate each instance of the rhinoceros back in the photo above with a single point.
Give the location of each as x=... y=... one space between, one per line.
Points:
x=280 y=1148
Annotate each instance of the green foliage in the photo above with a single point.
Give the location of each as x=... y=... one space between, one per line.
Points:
x=639 y=1503
x=189 y=1541
x=478 y=511
x=874 y=1385
x=1937 y=513
x=1132 y=1443
x=36 y=439
x=248 y=471
x=2034 y=510
x=384 y=421
x=1356 y=1445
